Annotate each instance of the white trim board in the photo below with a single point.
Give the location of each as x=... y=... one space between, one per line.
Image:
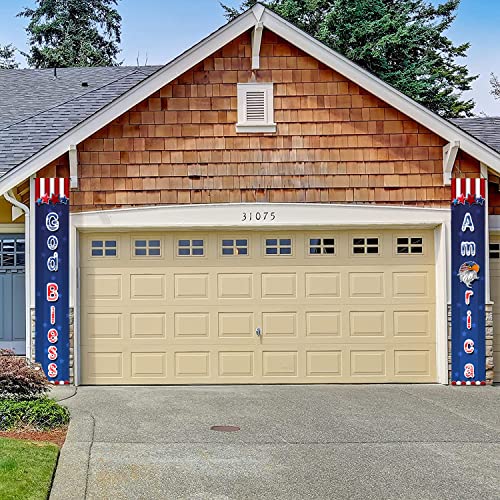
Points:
x=285 y=215
x=217 y=40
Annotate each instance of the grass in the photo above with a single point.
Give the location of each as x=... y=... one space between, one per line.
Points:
x=26 y=469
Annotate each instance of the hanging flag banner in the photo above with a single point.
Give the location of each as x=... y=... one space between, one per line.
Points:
x=52 y=278
x=468 y=281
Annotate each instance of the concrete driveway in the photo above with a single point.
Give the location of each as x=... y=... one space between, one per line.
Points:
x=314 y=442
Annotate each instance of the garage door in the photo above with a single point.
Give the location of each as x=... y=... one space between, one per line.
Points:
x=495 y=297
x=254 y=307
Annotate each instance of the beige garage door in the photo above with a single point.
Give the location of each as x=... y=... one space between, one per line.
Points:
x=187 y=307
x=495 y=297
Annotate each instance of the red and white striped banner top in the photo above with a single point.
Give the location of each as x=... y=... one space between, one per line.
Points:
x=467 y=186
x=51 y=186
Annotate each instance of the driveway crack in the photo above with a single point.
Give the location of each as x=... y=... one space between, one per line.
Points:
x=90 y=455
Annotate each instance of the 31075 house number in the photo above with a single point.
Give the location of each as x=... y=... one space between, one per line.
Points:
x=258 y=216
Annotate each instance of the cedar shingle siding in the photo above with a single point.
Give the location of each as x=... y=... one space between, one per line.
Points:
x=335 y=142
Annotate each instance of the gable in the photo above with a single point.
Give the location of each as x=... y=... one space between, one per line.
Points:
x=257 y=17
x=335 y=142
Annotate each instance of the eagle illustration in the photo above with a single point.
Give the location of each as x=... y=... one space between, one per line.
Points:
x=468 y=273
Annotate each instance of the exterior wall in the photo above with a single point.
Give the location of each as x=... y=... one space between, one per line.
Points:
x=335 y=142
x=493 y=195
x=5 y=211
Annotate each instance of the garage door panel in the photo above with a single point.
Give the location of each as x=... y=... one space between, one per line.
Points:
x=99 y=287
x=189 y=286
x=192 y=364
x=367 y=324
x=235 y=286
x=236 y=325
x=147 y=287
x=411 y=324
x=279 y=325
x=105 y=364
x=279 y=363
x=323 y=319
x=104 y=325
x=366 y=285
x=412 y=362
x=149 y=365
x=324 y=363
x=370 y=363
x=148 y=325
x=410 y=284
x=322 y=285
x=236 y=364
x=321 y=324
x=279 y=285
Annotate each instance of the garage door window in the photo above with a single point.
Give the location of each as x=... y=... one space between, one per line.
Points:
x=407 y=246
x=104 y=248
x=235 y=247
x=362 y=246
x=278 y=246
x=147 y=248
x=321 y=246
x=494 y=250
x=186 y=248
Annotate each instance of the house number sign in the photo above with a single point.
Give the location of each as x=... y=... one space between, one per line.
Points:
x=258 y=216
x=52 y=278
x=468 y=256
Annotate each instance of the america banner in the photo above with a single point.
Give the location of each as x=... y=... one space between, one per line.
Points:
x=52 y=278
x=468 y=281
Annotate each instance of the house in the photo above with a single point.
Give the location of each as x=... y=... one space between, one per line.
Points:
x=258 y=210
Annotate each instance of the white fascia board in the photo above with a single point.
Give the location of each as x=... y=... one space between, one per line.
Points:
x=141 y=91
x=382 y=90
x=230 y=215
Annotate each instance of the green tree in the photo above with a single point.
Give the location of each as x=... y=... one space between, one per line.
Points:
x=64 y=33
x=403 y=42
x=495 y=86
x=7 y=60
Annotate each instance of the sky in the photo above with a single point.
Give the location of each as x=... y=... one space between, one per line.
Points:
x=156 y=31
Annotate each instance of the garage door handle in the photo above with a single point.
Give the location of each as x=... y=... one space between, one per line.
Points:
x=258 y=332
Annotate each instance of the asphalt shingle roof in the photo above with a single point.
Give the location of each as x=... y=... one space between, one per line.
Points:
x=36 y=108
x=484 y=128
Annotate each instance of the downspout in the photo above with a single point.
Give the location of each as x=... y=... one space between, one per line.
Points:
x=9 y=196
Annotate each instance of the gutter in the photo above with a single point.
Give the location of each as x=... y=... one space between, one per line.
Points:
x=9 y=196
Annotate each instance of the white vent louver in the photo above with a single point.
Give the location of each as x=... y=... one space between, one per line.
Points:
x=255 y=108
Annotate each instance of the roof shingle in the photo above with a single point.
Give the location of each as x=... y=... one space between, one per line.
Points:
x=484 y=128
x=36 y=108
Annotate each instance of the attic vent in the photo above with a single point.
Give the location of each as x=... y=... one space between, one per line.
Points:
x=255 y=108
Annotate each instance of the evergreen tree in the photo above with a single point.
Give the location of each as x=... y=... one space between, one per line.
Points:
x=403 y=42
x=64 y=33
x=7 y=60
x=495 y=86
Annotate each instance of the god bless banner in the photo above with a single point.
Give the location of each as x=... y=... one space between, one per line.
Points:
x=52 y=278
x=468 y=284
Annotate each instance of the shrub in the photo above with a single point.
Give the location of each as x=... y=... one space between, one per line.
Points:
x=39 y=414
x=19 y=378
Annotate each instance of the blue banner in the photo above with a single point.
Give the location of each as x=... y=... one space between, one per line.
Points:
x=468 y=282
x=52 y=278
